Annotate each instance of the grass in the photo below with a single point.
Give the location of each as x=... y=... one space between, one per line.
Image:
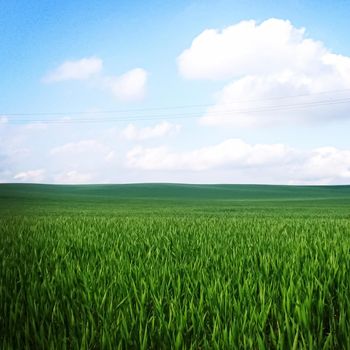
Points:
x=165 y=199
x=174 y=267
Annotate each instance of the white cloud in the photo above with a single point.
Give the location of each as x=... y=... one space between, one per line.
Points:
x=250 y=163
x=30 y=176
x=266 y=105
x=131 y=132
x=81 y=69
x=328 y=163
x=73 y=177
x=265 y=63
x=130 y=86
x=250 y=48
x=232 y=152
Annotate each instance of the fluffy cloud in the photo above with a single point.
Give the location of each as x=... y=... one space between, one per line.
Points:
x=81 y=69
x=130 y=86
x=269 y=163
x=328 y=162
x=249 y=48
x=30 y=176
x=266 y=106
x=265 y=63
x=232 y=152
x=131 y=132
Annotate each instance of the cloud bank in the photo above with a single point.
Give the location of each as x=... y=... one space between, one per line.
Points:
x=276 y=162
x=262 y=63
x=108 y=158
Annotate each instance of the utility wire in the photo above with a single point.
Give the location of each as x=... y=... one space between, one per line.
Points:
x=23 y=118
x=263 y=109
x=170 y=107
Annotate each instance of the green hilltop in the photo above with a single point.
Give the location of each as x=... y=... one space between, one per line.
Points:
x=164 y=197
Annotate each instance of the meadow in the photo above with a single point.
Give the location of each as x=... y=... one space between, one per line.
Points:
x=166 y=266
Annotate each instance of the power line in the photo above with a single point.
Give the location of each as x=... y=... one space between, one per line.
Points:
x=263 y=109
x=169 y=107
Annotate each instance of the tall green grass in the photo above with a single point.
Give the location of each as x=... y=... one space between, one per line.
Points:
x=174 y=282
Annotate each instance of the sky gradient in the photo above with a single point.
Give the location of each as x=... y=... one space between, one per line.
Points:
x=186 y=91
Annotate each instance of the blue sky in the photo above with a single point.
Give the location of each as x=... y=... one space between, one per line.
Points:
x=263 y=89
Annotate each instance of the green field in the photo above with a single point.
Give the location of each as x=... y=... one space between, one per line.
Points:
x=170 y=266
